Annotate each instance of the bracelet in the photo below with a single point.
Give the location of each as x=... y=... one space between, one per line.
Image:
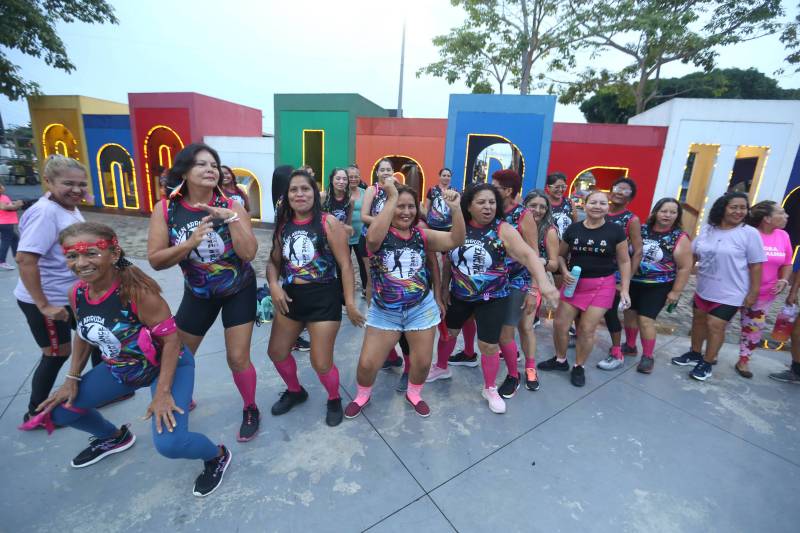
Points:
x=76 y=378
x=234 y=218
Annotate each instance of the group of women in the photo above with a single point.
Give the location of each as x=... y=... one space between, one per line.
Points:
x=481 y=263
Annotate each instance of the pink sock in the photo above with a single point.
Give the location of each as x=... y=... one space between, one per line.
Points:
x=630 y=336
x=616 y=351
x=444 y=349
x=246 y=383
x=490 y=364
x=330 y=381
x=509 y=351
x=469 y=330
x=414 y=392
x=530 y=363
x=744 y=359
x=648 y=345
x=406 y=363
x=288 y=371
x=363 y=394
x=393 y=356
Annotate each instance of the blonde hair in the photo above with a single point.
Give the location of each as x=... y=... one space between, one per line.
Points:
x=58 y=164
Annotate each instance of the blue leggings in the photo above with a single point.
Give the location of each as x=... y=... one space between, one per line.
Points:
x=98 y=386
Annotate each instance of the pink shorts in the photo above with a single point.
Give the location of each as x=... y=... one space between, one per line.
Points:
x=595 y=292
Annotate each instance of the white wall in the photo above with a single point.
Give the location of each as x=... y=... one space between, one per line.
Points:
x=256 y=154
x=729 y=123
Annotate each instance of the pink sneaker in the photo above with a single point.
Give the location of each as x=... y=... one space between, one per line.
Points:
x=438 y=373
x=496 y=403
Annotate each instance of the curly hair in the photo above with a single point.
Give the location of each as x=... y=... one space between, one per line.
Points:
x=717 y=211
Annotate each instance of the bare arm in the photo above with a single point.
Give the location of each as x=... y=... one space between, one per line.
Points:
x=551 y=247
x=380 y=224
x=683 y=263
x=337 y=239
x=366 y=205
x=635 y=236
x=754 y=271
x=31 y=278
x=244 y=240
x=624 y=265
x=159 y=253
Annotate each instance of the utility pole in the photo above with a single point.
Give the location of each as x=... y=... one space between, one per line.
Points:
x=402 y=64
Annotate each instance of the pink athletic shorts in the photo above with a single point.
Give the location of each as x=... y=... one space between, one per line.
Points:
x=596 y=292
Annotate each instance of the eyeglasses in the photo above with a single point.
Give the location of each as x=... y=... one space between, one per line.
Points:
x=556 y=187
x=621 y=190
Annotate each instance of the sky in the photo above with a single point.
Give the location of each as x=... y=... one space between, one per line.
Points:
x=247 y=50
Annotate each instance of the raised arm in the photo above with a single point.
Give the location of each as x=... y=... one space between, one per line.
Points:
x=380 y=224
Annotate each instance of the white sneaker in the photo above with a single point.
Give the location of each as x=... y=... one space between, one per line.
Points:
x=610 y=363
x=6 y=266
x=438 y=373
x=496 y=403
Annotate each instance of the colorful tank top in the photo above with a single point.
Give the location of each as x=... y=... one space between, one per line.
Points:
x=543 y=242
x=114 y=328
x=237 y=196
x=306 y=253
x=439 y=215
x=658 y=261
x=623 y=219
x=378 y=201
x=562 y=214
x=400 y=277
x=478 y=267
x=212 y=269
x=518 y=275
x=337 y=208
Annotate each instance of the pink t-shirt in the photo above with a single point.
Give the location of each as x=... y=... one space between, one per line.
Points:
x=778 y=248
x=7 y=217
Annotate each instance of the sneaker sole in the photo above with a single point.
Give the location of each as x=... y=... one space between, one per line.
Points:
x=609 y=369
x=440 y=376
x=642 y=371
x=688 y=363
x=698 y=378
x=493 y=410
x=221 y=477
x=471 y=364
x=106 y=454
x=512 y=394
x=532 y=388
x=415 y=409
x=239 y=437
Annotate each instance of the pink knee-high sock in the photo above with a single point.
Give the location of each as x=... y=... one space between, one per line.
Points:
x=469 y=330
x=330 y=380
x=530 y=363
x=648 y=345
x=509 y=351
x=444 y=349
x=363 y=394
x=630 y=336
x=616 y=351
x=246 y=383
x=406 y=363
x=288 y=371
x=490 y=364
x=393 y=355
x=414 y=392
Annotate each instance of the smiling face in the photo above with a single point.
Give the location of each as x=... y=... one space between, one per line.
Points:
x=340 y=180
x=204 y=172
x=556 y=190
x=227 y=177
x=445 y=178
x=384 y=170
x=620 y=194
x=537 y=207
x=667 y=215
x=92 y=259
x=596 y=206
x=353 y=177
x=483 y=207
x=69 y=187
x=405 y=213
x=300 y=195
x=735 y=212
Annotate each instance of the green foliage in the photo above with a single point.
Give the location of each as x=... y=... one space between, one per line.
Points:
x=29 y=26
x=502 y=41
x=615 y=104
x=790 y=36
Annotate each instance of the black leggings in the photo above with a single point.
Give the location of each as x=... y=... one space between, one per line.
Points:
x=612 y=316
x=360 y=248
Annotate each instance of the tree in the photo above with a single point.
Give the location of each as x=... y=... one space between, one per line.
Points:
x=790 y=36
x=655 y=33
x=30 y=27
x=502 y=41
x=615 y=103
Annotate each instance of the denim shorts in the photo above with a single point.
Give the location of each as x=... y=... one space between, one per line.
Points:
x=425 y=315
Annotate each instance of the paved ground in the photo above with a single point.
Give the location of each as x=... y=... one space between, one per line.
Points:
x=628 y=452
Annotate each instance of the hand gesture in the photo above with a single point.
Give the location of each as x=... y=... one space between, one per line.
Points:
x=390 y=185
x=280 y=300
x=355 y=316
x=199 y=234
x=162 y=407
x=65 y=394
x=220 y=213
x=452 y=199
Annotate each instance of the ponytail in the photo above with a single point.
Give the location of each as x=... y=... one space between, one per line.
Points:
x=133 y=282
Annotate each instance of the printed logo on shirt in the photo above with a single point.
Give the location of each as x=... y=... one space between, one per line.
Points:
x=92 y=329
x=651 y=251
x=339 y=214
x=299 y=248
x=208 y=251
x=472 y=258
x=402 y=263
x=440 y=205
x=562 y=222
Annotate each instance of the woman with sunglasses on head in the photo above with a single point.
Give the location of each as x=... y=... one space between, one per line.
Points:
x=563 y=209
x=120 y=310
x=403 y=302
x=479 y=282
x=210 y=237
x=623 y=191
x=307 y=247
x=769 y=219
x=662 y=274
x=600 y=248
x=231 y=189
x=44 y=279
x=730 y=258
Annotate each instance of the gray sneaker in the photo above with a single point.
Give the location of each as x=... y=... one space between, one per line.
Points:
x=645 y=365
x=610 y=363
x=787 y=376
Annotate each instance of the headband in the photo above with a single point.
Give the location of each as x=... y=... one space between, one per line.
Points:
x=83 y=247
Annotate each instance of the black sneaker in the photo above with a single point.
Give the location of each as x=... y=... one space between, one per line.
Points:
x=509 y=387
x=630 y=351
x=213 y=472
x=702 y=371
x=553 y=364
x=288 y=400
x=462 y=359
x=301 y=345
x=100 y=448
x=531 y=379
x=250 y=421
x=690 y=358
x=335 y=414
x=578 y=376
x=390 y=364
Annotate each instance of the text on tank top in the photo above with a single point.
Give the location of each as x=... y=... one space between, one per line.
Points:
x=306 y=253
x=400 y=277
x=478 y=267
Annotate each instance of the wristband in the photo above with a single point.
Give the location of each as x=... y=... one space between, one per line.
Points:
x=234 y=218
x=76 y=378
